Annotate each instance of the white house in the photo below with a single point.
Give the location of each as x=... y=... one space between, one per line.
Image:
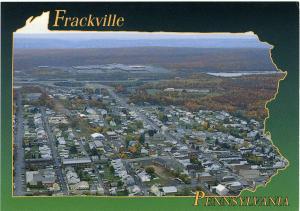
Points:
x=169 y=190
x=221 y=190
x=97 y=136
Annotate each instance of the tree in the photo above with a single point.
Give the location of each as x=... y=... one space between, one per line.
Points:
x=185 y=178
x=94 y=151
x=186 y=192
x=142 y=139
x=74 y=122
x=120 y=183
x=39 y=185
x=139 y=124
x=226 y=120
x=194 y=160
x=97 y=91
x=108 y=118
x=111 y=169
x=126 y=192
x=45 y=100
x=150 y=170
x=162 y=117
x=117 y=119
x=62 y=126
x=217 y=142
x=206 y=125
x=192 y=105
x=151 y=132
x=128 y=138
x=73 y=150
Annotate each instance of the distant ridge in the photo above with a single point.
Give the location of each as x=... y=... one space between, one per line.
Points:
x=198 y=59
x=49 y=43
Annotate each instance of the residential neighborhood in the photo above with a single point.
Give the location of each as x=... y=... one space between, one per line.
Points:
x=143 y=114
x=93 y=141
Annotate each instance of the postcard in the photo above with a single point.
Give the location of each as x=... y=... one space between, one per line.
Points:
x=143 y=106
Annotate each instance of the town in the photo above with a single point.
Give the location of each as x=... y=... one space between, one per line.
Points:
x=90 y=140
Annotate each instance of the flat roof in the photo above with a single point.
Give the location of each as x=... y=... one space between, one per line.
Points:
x=169 y=189
x=76 y=161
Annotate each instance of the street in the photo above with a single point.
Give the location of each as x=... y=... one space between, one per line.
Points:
x=57 y=163
x=19 y=159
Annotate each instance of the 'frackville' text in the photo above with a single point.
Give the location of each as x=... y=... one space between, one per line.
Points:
x=108 y=20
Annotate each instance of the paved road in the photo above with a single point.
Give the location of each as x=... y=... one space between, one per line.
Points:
x=19 y=159
x=93 y=165
x=56 y=159
x=121 y=101
x=140 y=114
x=145 y=159
x=144 y=188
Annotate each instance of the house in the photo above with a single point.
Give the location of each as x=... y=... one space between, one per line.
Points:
x=279 y=164
x=221 y=190
x=155 y=190
x=45 y=152
x=113 y=191
x=100 y=189
x=112 y=135
x=97 y=136
x=102 y=112
x=90 y=111
x=71 y=135
x=55 y=187
x=245 y=150
x=134 y=190
x=98 y=144
x=76 y=161
x=144 y=176
x=57 y=120
x=205 y=177
x=33 y=96
x=235 y=186
x=82 y=185
x=252 y=134
x=45 y=176
x=249 y=174
x=112 y=123
x=169 y=190
x=31 y=177
x=61 y=140
x=144 y=151
x=72 y=177
x=128 y=180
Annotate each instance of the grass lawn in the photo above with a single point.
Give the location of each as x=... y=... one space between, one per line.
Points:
x=164 y=176
x=108 y=175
